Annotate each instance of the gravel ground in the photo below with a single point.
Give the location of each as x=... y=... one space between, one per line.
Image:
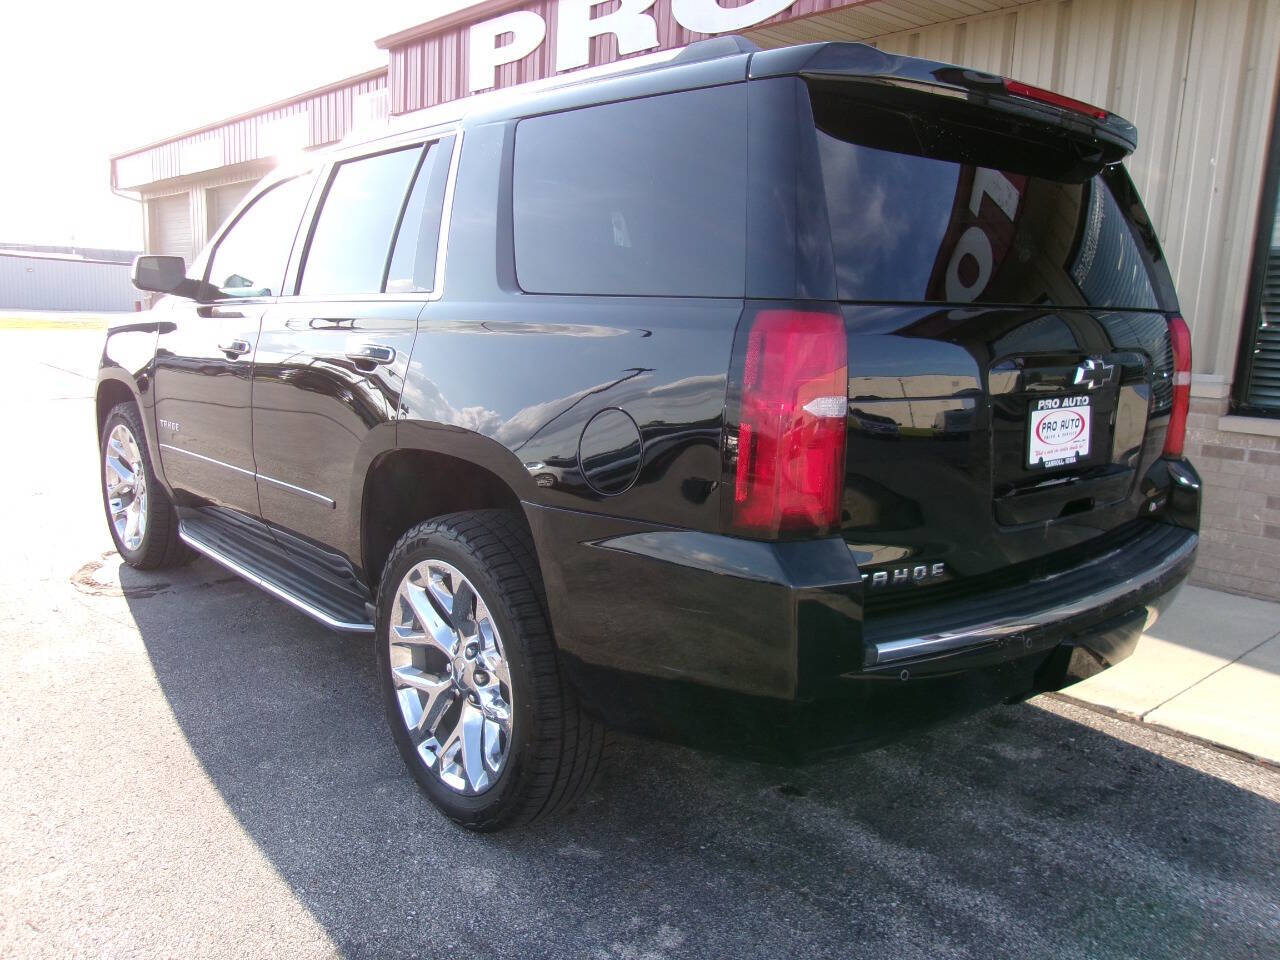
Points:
x=190 y=768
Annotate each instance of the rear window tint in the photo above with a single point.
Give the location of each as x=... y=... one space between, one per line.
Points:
x=645 y=197
x=909 y=225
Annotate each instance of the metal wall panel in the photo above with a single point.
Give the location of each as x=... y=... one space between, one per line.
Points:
x=866 y=21
x=196 y=193
x=323 y=117
x=170 y=225
x=1198 y=77
x=223 y=200
x=64 y=283
x=1218 y=170
x=433 y=69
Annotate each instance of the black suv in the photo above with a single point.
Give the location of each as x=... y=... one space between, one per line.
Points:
x=778 y=401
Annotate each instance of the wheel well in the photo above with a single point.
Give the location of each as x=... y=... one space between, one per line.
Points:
x=110 y=393
x=405 y=487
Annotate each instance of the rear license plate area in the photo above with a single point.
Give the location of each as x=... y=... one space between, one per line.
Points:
x=1059 y=432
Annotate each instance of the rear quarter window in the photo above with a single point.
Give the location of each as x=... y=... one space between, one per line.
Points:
x=644 y=197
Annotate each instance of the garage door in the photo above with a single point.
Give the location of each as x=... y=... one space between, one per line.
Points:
x=222 y=200
x=171 y=225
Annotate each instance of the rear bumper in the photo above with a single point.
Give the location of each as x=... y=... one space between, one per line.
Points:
x=762 y=648
x=1036 y=615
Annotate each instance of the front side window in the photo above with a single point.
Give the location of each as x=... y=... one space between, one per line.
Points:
x=353 y=232
x=644 y=198
x=251 y=257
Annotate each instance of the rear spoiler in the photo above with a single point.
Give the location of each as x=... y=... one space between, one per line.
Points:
x=858 y=62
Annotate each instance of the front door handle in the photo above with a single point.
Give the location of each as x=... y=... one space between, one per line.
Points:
x=220 y=313
x=371 y=353
x=236 y=348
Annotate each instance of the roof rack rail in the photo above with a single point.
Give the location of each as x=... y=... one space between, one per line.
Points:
x=714 y=48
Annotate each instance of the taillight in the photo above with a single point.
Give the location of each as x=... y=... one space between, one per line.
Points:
x=791 y=424
x=1019 y=89
x=1176 y=435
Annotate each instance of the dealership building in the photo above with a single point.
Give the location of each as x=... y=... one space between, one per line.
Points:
x=1197 y=77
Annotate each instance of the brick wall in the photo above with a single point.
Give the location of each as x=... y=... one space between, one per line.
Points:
x=1240 y=527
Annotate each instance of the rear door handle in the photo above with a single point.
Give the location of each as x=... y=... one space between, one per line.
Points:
x=236 y=348
x=371 y=353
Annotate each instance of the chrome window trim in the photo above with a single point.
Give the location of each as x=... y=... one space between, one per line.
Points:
x=446 y=217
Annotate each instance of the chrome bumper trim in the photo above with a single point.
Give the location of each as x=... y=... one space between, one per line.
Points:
x=892 y=651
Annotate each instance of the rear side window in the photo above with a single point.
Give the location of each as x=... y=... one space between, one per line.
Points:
x=251 y=256
x=353 y=232
x=413 y=263
x=644 y=197
x=921 y=211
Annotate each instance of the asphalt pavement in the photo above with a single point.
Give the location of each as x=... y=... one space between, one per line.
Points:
x=190 y=768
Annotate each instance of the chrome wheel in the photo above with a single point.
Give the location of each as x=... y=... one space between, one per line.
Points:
x=450 y=677
x=125 y=479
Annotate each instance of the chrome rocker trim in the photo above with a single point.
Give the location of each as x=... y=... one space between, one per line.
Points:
x=275 y=590
x=200 y=456
x=892 y=651
x=301 y=491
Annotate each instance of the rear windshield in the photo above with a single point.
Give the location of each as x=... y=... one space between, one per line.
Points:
x=922 y=209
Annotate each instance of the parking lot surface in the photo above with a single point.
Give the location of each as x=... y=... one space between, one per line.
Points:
x=188 y=767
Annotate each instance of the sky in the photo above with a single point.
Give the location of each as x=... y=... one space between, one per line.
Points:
x=83 y=80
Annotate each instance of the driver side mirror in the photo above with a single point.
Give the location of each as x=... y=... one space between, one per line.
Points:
x=158 y=274
x=164 y=274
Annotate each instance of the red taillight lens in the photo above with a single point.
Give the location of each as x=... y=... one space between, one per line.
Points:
x=791 y=425
x=1175 y=437
x=1019 y=89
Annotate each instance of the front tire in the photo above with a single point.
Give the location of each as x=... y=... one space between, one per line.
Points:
x=140 y=515
x=474 y=696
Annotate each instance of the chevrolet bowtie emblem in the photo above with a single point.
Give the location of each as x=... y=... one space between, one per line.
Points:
x=1094 y=373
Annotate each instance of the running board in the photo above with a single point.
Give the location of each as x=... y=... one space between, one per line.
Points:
x=278 y=579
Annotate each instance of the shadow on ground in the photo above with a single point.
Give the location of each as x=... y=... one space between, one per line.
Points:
x=1019 y=832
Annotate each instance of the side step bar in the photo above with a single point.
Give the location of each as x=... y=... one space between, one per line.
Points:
x=276 y=580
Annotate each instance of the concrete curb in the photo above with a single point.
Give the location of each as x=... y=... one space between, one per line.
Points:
x=1170 y=731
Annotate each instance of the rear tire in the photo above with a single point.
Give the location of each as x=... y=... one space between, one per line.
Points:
x=491 y=668
x=140 y=515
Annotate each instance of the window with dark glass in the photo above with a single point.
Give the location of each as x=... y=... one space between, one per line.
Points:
x=923 y=209
x=413 y=262
x=352 y=237
x=251 y=257
x=646 y=197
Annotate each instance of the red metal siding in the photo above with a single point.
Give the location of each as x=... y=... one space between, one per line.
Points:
x=423 y=70
x=330 y=115
x=433 y=69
